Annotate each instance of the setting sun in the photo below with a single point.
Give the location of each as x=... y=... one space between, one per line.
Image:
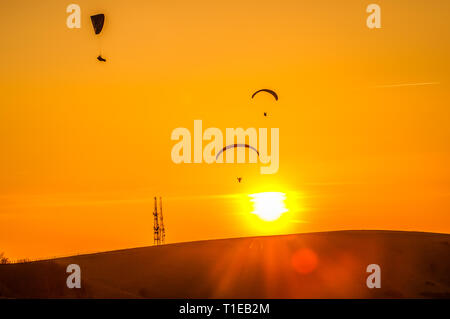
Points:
x=269 y=206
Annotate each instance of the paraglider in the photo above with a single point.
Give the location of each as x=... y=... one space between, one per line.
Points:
x=98 y=21
x=235 y=145
x=273 y=93
x=239 y=179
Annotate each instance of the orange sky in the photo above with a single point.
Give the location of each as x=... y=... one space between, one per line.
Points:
x=86 y=145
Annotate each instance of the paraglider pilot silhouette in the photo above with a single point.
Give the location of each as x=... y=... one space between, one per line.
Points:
x=239 y=179
x=98 y=21
x=273 y=93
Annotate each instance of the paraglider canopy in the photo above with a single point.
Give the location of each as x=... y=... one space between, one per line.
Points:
x=97 y=22
x=101 y=59
x=235 y=145
x=274 y=94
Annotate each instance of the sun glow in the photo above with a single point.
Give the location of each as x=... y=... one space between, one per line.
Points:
x=268 y=206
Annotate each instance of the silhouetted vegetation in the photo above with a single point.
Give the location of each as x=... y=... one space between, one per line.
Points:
x=23 y=261
x=3 y=259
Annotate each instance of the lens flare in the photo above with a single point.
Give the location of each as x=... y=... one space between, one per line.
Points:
x=304 y=261
x=269 y=206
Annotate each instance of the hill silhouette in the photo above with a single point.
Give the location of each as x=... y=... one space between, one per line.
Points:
x=313 y=265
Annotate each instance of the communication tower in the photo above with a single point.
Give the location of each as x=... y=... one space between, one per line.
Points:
x=156 y=229
x=162 y=230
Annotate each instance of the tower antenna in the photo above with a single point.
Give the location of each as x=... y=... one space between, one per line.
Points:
x=156 y=229
x=161 y=223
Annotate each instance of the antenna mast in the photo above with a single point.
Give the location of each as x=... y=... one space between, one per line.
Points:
x=156 y=229
x=161 y=223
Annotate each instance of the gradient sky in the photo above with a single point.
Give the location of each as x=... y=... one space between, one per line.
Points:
x=84 y=146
